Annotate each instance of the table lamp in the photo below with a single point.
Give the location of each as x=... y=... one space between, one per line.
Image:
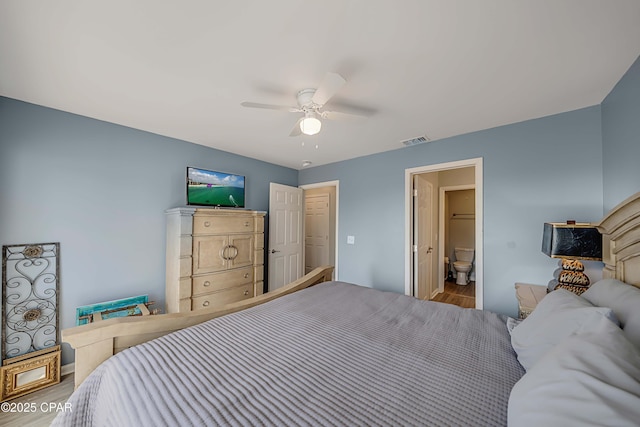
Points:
x=572 y=242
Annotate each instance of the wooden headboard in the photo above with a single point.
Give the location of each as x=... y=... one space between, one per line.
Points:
x=621 y=241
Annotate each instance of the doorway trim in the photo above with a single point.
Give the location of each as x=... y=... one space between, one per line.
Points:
x=335 y=184
x=408 y=191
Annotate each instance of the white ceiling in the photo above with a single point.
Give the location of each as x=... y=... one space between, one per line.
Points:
x=438 y=68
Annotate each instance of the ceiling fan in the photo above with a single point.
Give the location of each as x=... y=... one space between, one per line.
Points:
x=311 y=103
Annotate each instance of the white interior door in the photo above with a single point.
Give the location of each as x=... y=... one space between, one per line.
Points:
x=285 y=234
x=423 y=232
x=316 y=231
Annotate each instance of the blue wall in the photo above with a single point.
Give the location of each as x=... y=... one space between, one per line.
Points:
x=101 y=191
x=621 y=139
x=548 y=169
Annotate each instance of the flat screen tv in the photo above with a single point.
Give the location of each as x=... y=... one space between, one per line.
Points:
x=211 y=188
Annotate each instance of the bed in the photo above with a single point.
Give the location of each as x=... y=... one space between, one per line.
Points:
x=320 y=352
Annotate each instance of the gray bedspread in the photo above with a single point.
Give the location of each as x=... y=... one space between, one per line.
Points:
x=333 y=355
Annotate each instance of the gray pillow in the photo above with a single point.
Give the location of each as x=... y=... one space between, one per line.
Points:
x=623 y=299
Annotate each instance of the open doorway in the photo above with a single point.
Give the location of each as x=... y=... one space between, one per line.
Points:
x=321 y=225
x=456 y=228
x=425 y=224
x=303 y=228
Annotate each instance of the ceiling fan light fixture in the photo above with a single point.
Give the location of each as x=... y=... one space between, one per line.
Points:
x=310 y=125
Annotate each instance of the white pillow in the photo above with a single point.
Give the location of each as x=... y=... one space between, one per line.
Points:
x=591 y=379
x=623 y=299
x=557 y=316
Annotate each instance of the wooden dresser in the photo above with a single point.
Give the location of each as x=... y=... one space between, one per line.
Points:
x=214 y=257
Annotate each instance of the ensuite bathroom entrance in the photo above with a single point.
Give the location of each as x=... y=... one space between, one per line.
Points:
x=459 y=246
x=444 y=239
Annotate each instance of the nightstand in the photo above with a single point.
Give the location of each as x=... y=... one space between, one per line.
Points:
x=528 y=297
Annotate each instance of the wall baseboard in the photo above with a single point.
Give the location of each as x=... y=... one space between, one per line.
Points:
x=67 y=369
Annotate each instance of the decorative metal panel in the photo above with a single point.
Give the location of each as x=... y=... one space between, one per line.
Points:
x=30 y=289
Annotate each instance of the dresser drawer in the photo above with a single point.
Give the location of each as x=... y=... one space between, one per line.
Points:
x=219 y=281
x=226 y=296
x=207 y=224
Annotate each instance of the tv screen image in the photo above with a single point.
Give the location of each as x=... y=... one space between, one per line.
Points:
x=211 y=188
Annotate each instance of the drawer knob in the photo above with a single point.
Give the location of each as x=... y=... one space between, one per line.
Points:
x=207 y=283
x=246 y=223
x=207 y=223
x=246 y=275
x=246 y=292
x=205 y=304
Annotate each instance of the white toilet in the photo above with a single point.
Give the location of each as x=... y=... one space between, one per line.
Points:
x=463 y=264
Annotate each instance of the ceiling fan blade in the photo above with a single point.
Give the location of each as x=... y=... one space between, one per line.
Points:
x=296 y=131
x=330 y=85
x=344 y=117
x=270 y=107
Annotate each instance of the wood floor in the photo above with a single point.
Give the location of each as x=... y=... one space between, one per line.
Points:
x=45 y=403
x=460 y=295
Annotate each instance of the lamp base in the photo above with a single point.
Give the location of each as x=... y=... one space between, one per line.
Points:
x=572 y=277
x=579 y=290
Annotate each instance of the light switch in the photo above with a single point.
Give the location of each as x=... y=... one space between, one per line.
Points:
x=351 y=240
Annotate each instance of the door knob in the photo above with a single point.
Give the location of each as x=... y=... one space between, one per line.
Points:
x=273 y=251
x=429 y=250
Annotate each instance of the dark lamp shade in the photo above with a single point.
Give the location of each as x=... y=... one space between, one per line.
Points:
x=571 y=241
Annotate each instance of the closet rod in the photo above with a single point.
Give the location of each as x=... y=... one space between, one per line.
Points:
x=463 y=216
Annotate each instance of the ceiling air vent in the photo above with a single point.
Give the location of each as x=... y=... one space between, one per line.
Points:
x=415 y=141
